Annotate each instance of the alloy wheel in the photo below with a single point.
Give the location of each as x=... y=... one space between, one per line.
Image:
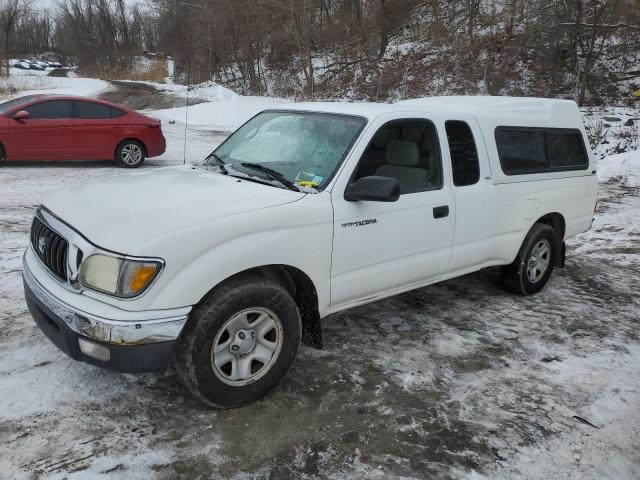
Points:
x=131 y=154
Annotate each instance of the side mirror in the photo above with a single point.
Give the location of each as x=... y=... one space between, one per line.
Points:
x=21 y=115
x=373 y=189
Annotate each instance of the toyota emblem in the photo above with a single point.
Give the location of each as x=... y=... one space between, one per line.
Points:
x=42 y=242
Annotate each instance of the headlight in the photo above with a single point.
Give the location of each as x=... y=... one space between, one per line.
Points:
x=118 y=276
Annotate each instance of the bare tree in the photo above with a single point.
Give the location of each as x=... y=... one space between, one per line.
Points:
x=10 y=12
x=362 y=49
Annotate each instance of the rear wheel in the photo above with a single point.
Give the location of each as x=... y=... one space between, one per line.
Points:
x=130 y=154
x=530 y=271
x=2 y=154
x=239 y=342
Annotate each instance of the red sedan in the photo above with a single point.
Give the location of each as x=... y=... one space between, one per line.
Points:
x=56 y=127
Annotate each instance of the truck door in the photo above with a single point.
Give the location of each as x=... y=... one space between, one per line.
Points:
x=380 y=247
x=474 y=194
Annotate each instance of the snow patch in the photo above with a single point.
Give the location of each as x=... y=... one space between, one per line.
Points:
x=222 y=115
x=624 y=167
x=26 y=83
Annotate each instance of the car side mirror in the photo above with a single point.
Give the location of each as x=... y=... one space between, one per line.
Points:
x=373 y=189
x=21 y=115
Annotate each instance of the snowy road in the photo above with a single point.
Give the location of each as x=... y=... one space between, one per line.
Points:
x=457 y=380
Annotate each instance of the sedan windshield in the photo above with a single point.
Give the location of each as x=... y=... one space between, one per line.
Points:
x=16 y=102
x=304 y=148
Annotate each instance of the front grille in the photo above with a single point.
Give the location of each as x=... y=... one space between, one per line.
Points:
x=50 y=247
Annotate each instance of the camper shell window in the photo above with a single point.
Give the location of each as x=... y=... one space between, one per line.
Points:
x=526 y=150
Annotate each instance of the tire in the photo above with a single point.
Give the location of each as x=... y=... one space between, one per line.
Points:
x=130 y=154
x=530 y=271
x=203 y=356
x=2 y=154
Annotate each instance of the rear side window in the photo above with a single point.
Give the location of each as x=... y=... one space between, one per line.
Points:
x=97 y=111
x=538 y=150
x=90 y=110
x=464 y=155
x=53 y=109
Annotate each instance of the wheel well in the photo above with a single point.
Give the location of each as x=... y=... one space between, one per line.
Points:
x=144 y=147
x=555 y=221
x=2 y=152
x=303 y=291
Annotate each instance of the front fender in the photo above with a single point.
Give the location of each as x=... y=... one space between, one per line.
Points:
x=200 y=257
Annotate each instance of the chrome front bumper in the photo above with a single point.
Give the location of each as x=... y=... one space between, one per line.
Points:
x=165 y=328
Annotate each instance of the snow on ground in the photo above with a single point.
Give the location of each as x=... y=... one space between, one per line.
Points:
x=459 y=380
x=26 y=82
x=578 y=453
x=220 y=109
x=208 y=91
x=624 y=167
x=225 y=115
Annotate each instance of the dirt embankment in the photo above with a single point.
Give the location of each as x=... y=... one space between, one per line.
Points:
x=141 y=96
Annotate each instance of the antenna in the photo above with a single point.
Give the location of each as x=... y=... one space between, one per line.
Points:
x=186 y=114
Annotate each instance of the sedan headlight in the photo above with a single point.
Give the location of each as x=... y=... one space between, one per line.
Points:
x=118 y=276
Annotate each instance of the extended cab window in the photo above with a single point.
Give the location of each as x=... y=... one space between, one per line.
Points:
x=406 y=150
x=54 y=109
x=524 y=150
x=464 y=155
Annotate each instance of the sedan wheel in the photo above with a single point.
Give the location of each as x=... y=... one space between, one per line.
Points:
x=130 y=154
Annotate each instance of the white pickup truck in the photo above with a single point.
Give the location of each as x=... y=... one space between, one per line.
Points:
x=224 y=267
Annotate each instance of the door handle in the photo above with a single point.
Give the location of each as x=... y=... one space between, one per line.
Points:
x=441 y=212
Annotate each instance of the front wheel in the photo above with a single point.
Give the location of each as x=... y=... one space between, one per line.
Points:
x=130 y=154
x=530 y=271
x=239 y=342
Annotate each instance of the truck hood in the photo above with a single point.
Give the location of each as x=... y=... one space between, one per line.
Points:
x=123 y=211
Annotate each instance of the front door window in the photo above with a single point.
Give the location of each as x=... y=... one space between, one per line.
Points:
x=406 y=150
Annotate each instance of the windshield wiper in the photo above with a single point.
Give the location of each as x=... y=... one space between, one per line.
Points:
x=273 y=174
x=219 y=163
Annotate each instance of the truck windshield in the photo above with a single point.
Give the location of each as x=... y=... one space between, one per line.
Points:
x=305 y=148
x=16 y=102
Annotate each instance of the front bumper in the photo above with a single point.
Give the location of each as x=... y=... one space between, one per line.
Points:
x=133 y=346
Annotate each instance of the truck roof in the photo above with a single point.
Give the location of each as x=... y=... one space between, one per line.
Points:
x=482 y=107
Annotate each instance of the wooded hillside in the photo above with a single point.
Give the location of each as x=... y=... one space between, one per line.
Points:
x=587 y=50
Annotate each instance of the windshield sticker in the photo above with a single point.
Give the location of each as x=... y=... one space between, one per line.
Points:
x=306 y=179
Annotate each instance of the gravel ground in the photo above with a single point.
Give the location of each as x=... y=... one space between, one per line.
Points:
x=457 y=380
